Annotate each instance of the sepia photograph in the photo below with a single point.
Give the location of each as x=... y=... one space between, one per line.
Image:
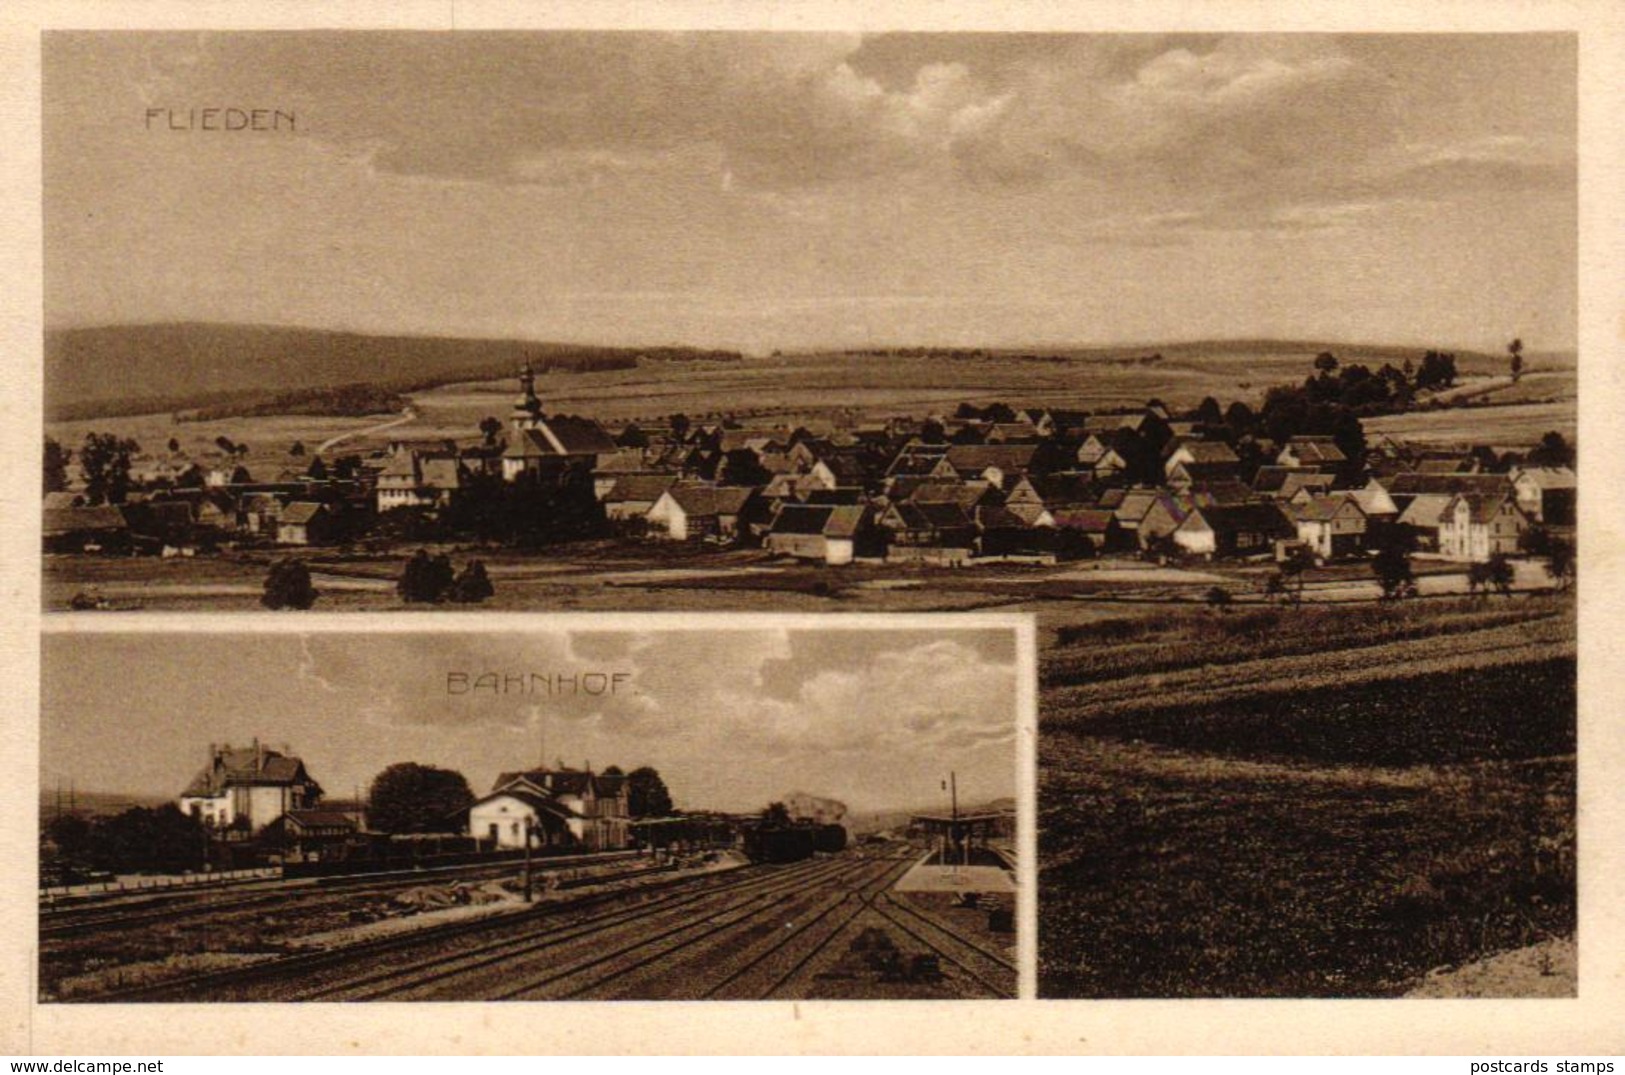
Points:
x=1246 y=363
x=533 y=813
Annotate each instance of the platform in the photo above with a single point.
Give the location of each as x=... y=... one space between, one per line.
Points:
x=924 y=877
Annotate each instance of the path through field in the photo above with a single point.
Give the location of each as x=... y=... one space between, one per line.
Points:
x=407 y=415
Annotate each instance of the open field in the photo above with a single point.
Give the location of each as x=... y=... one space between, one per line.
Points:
x=1226 y=819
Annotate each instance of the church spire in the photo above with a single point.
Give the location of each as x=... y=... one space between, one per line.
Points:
x=527 y=409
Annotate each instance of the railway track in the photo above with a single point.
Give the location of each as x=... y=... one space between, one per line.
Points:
x=80 y=922
x=268 y=980
x=588 y=954
x=987 y=968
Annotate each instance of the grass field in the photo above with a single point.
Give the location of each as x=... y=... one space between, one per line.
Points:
x=1303 y=802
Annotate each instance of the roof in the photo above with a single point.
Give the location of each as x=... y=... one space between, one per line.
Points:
x=246 y=767
x=1135 y=503
x=1208 y=451
x=639 y=487
x=932 y=515
x=1322 y=509
x=1229 y=491
x=1204 y=472
x=998 y=517
x=1483 y=507
x=542 y=804
x=1446 y=464
x=1427 y=510
x=580 y=436
x=1316 y=449
x=1546 y=477
x=442 y=473
x=803 y=518
x=976 y=458
x=845 y=520
x=1411 y=483
x=1373 y=501
x=965 y=494
x=1085 y=520
x=557 y=782
x=1265 y=517
x=625 y=461
x=710 y=499
x=68 y=520
x=321 y=819
x=301 y=511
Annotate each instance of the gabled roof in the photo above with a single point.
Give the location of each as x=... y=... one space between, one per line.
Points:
x=703 y=500
x=1315 y=449
x=1135 y=503
x=542 y=804
x=247 y=767
x=998 y=517
x=1204 y=472
x=69 y=520
x=1411 y=483
x=1483 y=508
x=1208 y=451
x=966 y=494
x=441 y=473
x=1235 y=518
x=931 y=516
x=845 y=520
x=975 y=458
x=1546 y=477
x=802 y=518
x=301 y=512
x=1427 y=510
x=1322 y=509
x=625 y=461
x=1228 y=491
x=639 y=487
x=1085 y=520
x=580 y=436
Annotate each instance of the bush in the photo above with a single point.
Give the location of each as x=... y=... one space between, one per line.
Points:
x=288 y=585
x=473 y=585
x=426 y=580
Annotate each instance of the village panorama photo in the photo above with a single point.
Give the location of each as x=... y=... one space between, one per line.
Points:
x=1247 y=363
x=728 y=813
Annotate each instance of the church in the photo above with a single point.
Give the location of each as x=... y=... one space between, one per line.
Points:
x=560 y=448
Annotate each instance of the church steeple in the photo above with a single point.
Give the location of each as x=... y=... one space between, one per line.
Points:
x=527 y=409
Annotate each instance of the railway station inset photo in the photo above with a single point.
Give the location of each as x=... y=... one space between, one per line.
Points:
x=751 y=811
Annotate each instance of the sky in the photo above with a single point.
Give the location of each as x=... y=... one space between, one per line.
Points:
x=732 y=718
x=765 y=191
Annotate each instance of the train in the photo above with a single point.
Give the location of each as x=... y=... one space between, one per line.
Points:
x=792 y=843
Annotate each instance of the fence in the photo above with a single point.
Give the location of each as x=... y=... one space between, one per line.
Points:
x=141 y=884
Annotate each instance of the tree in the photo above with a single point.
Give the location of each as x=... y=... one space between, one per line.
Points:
x=1553 y=451
x=287 y=585
x=1393 y=570
x=1208 y=413
x=297 y=448
x=1560 y=561
x=408 y=797
x=143 y=839
x=1496 y=572
x=1515 y=349
x=679 y=427
x=1294 y=566
x=489 y=428
x=1326 y=363
x=223 y=442
x=425 y=580
x=647 y=794
x=55 y=465
x=105 y=463
x=317 y=470
x=174 y=445
x=1438 y=370
x=472 y=585
x=1219 y=598
x=776 y=814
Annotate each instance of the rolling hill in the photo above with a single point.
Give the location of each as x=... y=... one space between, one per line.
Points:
x=134 y=369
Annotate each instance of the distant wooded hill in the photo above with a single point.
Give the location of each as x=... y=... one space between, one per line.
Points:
x=243 y=369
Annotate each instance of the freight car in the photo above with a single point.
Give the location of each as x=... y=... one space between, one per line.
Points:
x=778 y=843
x=829 y=838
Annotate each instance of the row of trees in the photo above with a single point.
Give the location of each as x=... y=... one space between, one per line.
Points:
x=141 y=839
x=425 y=580
x=411 y=798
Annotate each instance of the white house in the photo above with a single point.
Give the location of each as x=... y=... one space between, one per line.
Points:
x=248 y=788
x=1475 y=528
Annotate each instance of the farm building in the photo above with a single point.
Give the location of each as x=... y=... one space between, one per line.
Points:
x=632 y=495
x=85 y=528
x=304 y=522
x=689 y=512
x=1233 y=530
x=1546 y=494
x=1331 y=526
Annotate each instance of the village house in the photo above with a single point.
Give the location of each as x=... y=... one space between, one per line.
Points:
x=1546 y=494
x=248 y=788
x=633 y=495
x=1331 y=526
x=832 y=533
x=1194 y=452
x=690 y=512
x=1476 y=527
x=1095 y=527
x=414 y=480
x=1311 y=451
x=1233 y=530
x=305 y=522
x=561 y=808
x=1423 y=517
